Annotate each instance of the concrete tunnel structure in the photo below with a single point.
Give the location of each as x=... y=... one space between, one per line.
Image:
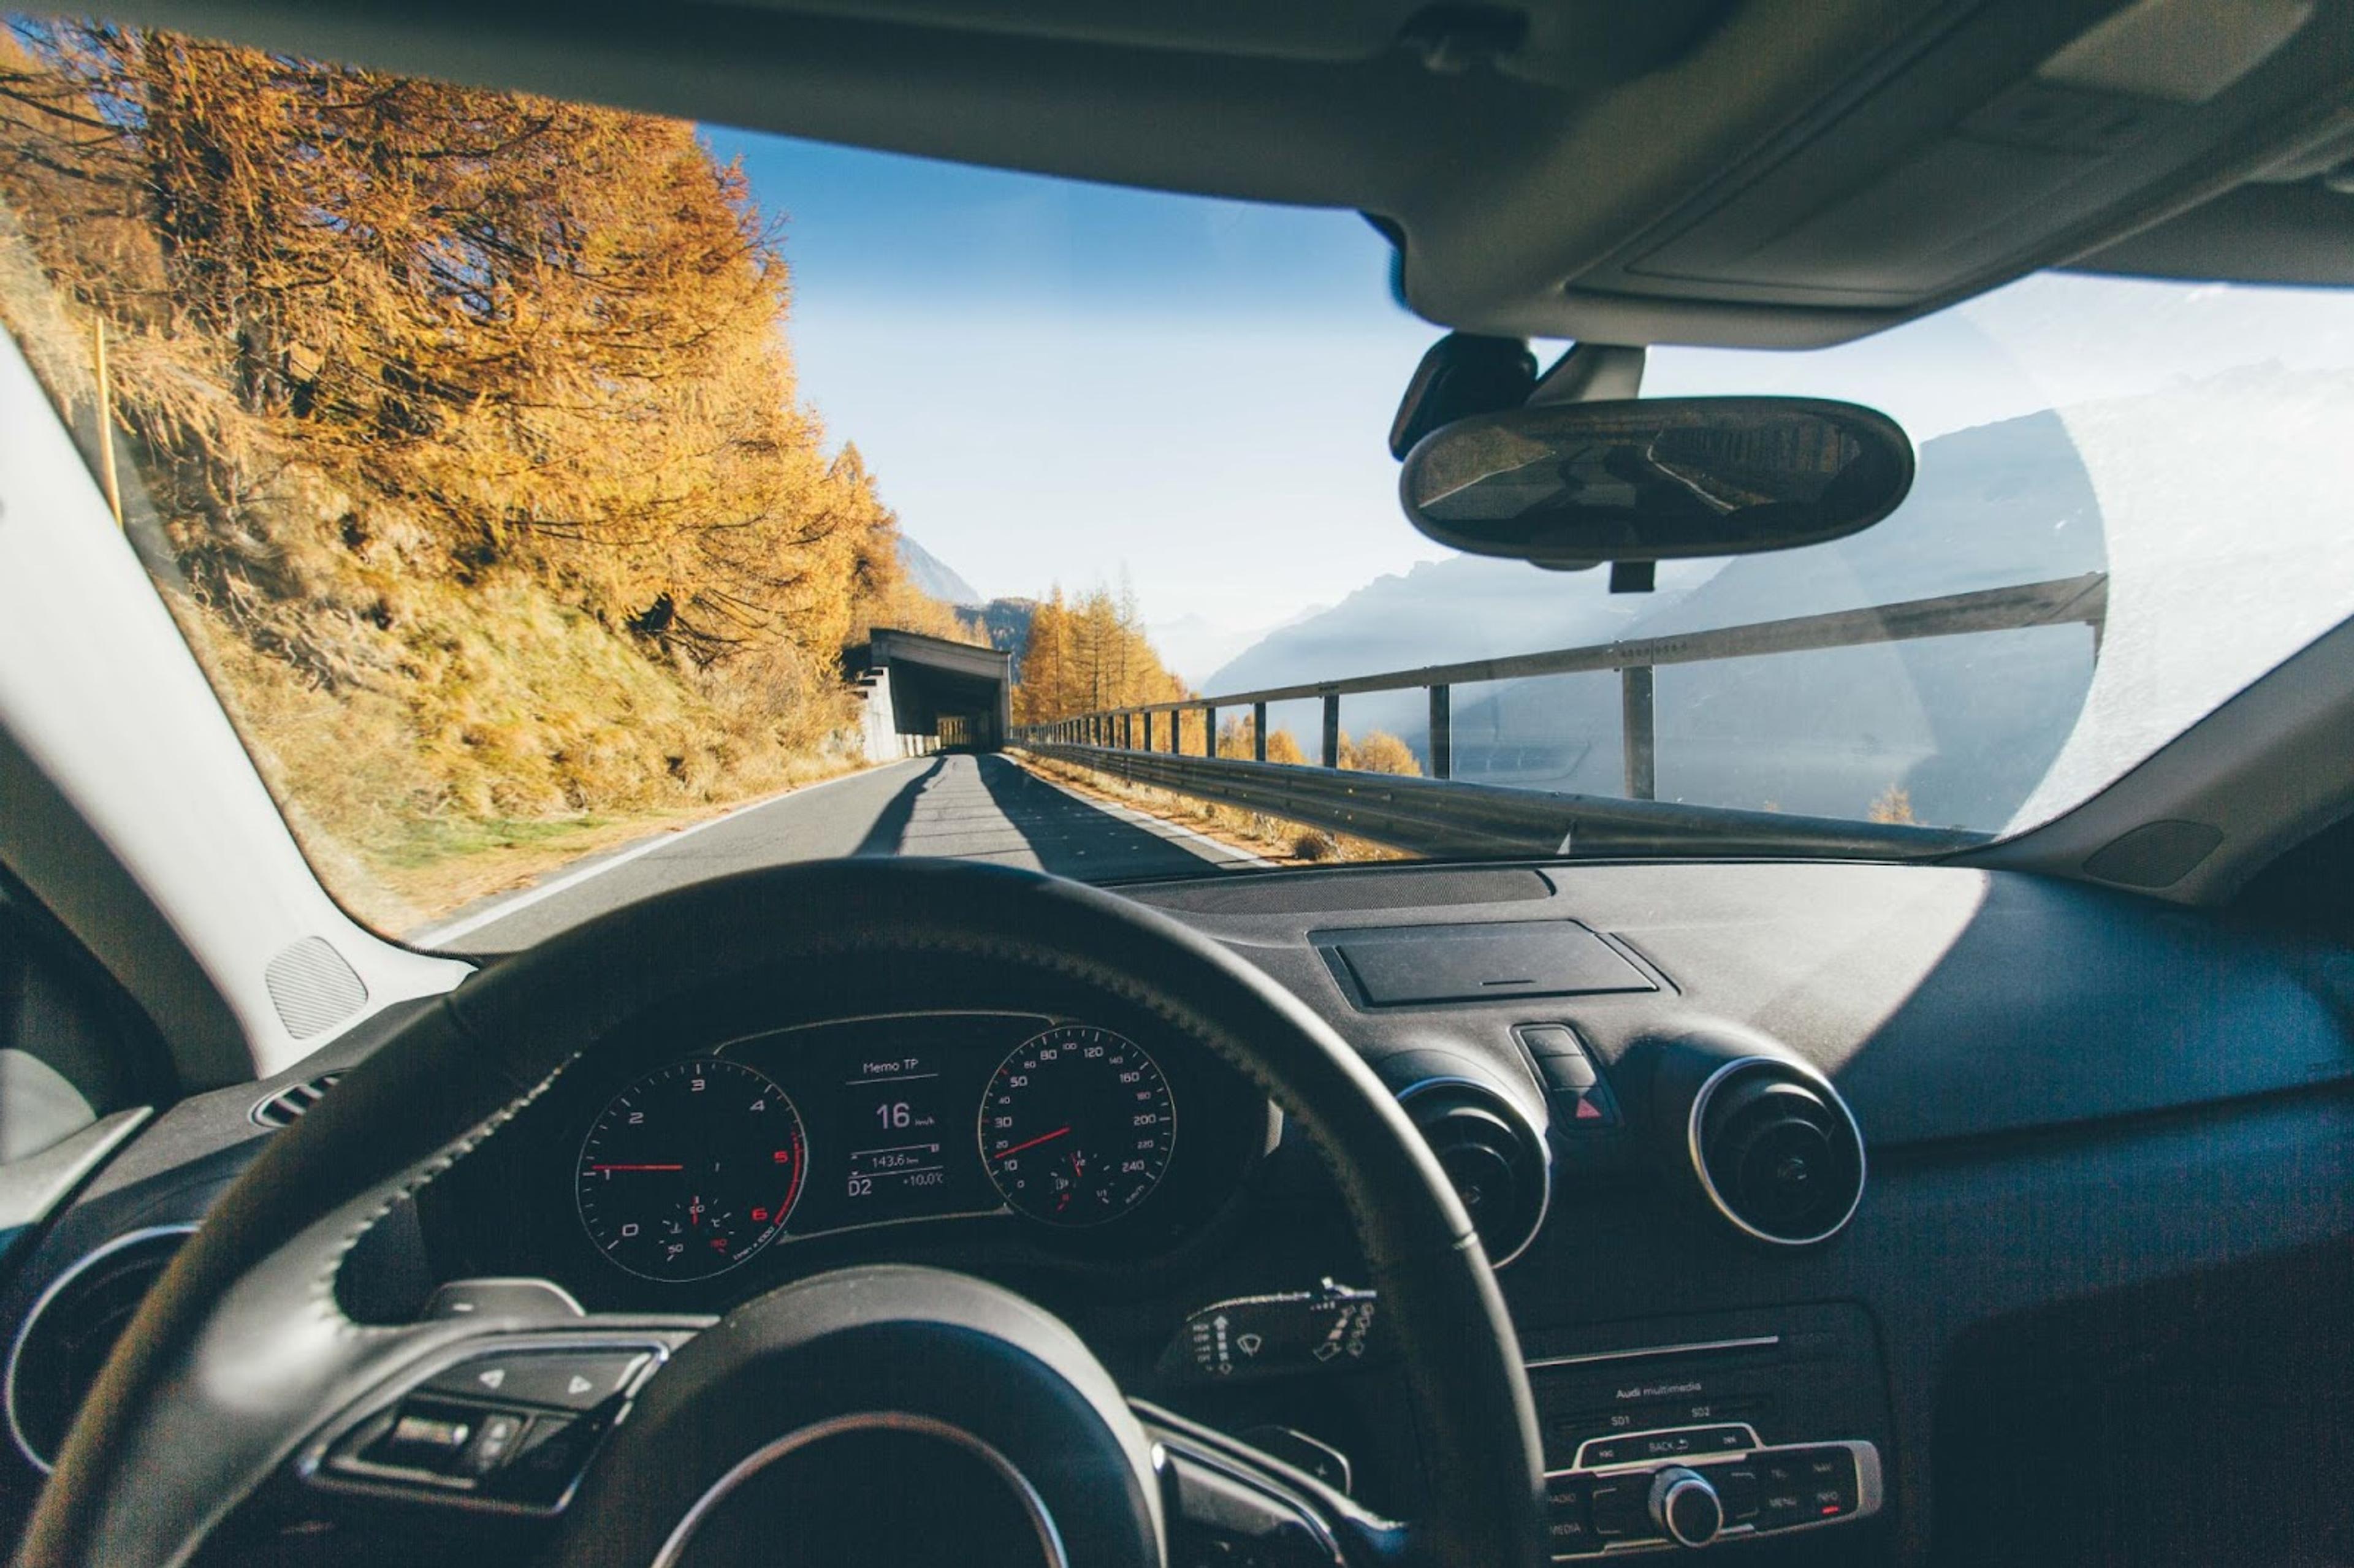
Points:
x=928 y=694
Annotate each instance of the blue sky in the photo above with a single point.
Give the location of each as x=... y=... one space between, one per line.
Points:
x=1055 y=381
x=1062 y=382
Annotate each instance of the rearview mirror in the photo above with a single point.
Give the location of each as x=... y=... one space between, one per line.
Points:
x=1570 y=485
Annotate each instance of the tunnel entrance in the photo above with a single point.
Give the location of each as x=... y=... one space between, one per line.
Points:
x=928 y=694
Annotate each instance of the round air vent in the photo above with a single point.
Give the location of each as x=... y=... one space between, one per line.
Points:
x=1494 y=1156
x=72 y=1328
x=1776 y=1151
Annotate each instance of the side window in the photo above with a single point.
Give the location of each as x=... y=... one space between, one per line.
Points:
x=72 y=1048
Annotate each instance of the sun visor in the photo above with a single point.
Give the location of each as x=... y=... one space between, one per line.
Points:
x=1988 y=154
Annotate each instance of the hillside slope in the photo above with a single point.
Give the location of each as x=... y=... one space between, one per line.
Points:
x=481 y=485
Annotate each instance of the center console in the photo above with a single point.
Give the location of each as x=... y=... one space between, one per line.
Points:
x=1699 y=1431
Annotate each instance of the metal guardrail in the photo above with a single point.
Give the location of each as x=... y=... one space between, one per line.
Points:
x=1441 y=815
x=1444 y=817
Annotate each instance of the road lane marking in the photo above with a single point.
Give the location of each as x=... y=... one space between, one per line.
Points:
x=523 y=899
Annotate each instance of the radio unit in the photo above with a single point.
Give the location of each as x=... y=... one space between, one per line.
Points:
x=1708 y=1430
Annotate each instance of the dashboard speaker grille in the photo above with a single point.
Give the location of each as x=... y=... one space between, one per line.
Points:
x=312 y=987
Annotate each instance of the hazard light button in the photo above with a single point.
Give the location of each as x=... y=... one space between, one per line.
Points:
x=1580 y=1110
x=563 y=1380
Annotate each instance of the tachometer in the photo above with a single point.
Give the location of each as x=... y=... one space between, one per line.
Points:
x=691 y=1169
x=1077 y=1125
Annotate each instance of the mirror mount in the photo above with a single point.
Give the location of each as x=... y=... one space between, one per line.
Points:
x=1460 y=376
x=1593 y=373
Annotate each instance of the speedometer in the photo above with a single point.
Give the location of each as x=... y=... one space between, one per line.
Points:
x=1077 y=1125
x=691 y=1169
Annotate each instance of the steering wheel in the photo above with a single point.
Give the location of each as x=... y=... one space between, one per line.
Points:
x=988 y=1414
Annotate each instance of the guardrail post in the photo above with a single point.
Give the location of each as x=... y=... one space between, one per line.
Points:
x=1176 y=732
x=1210 y=732
x=1635 y=709
x=1259 y=732
x=1331 y=729
x=1442 y=732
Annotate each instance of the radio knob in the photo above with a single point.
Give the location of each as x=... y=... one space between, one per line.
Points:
x=1685 y=1507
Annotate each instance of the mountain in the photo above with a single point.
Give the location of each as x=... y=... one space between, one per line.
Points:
x=1191 y=645
x=1963 y=726
x=1440 y=612
x=934 y=576
x=1007 y=622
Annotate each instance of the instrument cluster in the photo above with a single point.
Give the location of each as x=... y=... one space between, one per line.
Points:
x=695 y=1166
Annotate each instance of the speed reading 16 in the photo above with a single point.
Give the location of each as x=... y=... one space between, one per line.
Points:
x=1077 y=1125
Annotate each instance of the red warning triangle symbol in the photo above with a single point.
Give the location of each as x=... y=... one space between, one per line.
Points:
x=1587 y=1110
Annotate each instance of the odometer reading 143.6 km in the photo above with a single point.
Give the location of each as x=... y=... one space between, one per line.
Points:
x=691 y=1169
x=1077 y=1125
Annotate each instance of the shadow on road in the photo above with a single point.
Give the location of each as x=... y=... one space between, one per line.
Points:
x=1071 y=838
x=890 y=826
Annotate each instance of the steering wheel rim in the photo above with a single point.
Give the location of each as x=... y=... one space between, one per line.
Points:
x=241 y=1350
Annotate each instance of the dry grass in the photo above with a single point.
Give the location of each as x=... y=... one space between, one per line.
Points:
x=1272 y=839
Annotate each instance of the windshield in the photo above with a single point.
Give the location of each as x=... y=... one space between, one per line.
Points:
x=566 y=503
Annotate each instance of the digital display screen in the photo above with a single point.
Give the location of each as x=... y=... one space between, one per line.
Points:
x=891 y=1107
x=894 y=1115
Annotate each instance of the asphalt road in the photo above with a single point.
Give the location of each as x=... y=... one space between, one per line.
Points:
x=974 y=808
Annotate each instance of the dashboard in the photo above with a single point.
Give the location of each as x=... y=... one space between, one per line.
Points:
x=2109 y=1193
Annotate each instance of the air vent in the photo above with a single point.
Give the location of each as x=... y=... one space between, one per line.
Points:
x=1776 y=1151
x=281 y=1108
x=59 y=1352
x=1494 y=1156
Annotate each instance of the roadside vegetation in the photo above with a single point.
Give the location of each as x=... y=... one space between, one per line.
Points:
x=461 y=429
x=1089 y=655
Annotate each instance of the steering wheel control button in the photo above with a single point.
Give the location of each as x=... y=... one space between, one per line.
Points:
x=550 y=1458
x=494 y=1441
x=429 y=1438
x=1258 y=1336
x=1685 y=1507
x=577 y=1380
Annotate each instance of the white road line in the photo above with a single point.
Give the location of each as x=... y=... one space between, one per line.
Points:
x=514 y=904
